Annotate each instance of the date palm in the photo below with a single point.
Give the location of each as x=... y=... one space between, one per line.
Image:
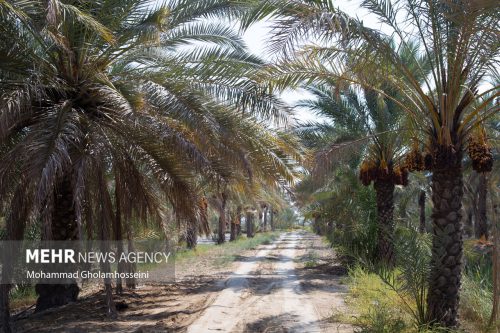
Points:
x=460 y=38
x=365 y=125
x=151 y=94
x=367 y=122
x=264 y=163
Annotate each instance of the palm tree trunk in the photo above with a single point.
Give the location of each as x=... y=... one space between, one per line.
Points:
x=271 y=218
x=495 y=311
x=385 y=210
x=118 y=233
x=481 y=218
x=259 y=224
x=222 y=219
x=130 y=282
x=232 y=236
x=421 y=205
x=15 y=225
x=235 y=221
x=447 y=244
x=5 y=286
x=238 y=227
x=249 y=224
x=265 y=218
x=329 y=228
x=192 y=234
x=5 y=308
x=317 y=227
x=469 y=226
x=239 y=215
x=107 y=219
x=64 y=228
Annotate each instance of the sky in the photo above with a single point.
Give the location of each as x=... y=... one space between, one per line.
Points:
x=255 y=38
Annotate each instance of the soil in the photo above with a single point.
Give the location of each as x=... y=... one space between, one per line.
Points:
x=291 y=285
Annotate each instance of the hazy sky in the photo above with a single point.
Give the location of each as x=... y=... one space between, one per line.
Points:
x=255 y=37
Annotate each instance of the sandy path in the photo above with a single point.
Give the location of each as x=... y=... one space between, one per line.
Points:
x=292 y=285
x=228 y=302
x=265 y=294
x=296 y=303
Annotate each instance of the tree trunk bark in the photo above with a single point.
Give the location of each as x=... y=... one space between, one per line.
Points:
x=235 y=222
x=130 y=282
x=232 y=236
x=317 y=226
x=15 y=225
x=421 y=205
x=249 y=224
x=238 y=227
x=494 y=320
x=469 y=225
x=447 y=246
x=222 y=219
x=481 y=218
x=64 y=228
x=385 y=210
x=105 y=226
x=271 y=219
x=5 y=308
x=265 y=217
x=259 y=223
x=192 y=234
x=239 y=211
x=329 y=228
x=118 y=233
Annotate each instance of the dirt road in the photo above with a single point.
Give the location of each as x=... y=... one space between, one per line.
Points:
x=291 y=285
x=268 y=293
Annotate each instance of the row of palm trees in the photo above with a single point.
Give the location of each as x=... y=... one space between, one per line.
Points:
x=364 y=116
x=111 y=109
x=425 y=73
x=235 y=206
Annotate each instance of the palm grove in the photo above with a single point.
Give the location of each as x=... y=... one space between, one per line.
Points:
x=119 y=111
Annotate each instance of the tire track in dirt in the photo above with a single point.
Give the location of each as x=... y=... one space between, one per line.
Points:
x=263 y=294
x=292 y=285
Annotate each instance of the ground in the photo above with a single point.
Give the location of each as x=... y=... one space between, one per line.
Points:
x=290 y=285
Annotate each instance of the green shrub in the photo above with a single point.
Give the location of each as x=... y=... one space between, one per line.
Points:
x=476 y=300
x=380 y=320
x=477 y=286
x=22 y=295
x=377 y=308
x=356 y=236
x=383 y=297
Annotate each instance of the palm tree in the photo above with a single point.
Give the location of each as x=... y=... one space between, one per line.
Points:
x=261 y=192
x=359 y=119
x=249 y=221
x=365 y=117
x=235 y=216
x=221 y=200
x=482 y=163
x=460 y=40
x=198 y=224
x=97 y=92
